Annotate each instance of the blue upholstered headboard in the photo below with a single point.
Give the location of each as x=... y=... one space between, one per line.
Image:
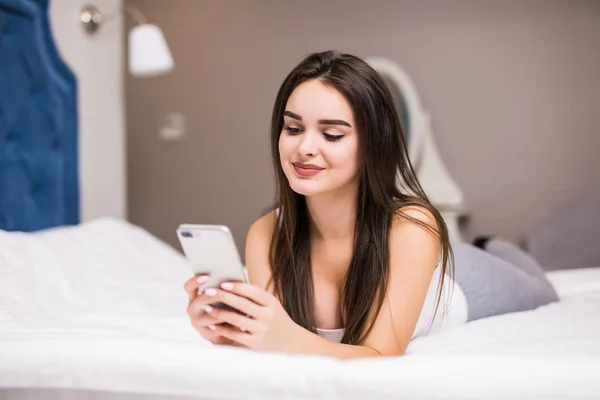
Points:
x=38 y=123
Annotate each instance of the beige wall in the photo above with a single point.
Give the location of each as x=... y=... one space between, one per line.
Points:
x=513 y=88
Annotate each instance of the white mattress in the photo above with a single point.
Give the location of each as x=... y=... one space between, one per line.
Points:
x=101 y=308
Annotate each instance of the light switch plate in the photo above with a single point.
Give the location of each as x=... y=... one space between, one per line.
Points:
x=172 y=127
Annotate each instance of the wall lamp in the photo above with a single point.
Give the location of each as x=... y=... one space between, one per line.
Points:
x=149 y=53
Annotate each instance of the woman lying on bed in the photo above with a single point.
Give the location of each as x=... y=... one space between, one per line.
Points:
x=350 y=265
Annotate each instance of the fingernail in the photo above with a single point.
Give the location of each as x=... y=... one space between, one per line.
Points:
x=227 y=286
x=202 y=279
x=212 y=327
x=210 y=292
x=208 y=308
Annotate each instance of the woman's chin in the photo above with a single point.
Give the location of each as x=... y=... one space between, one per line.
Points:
x=305 y=188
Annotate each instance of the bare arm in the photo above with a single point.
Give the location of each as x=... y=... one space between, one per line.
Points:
x=257 y=251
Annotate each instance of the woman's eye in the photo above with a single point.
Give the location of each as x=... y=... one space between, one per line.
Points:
x=292 y=130
x=332 y=138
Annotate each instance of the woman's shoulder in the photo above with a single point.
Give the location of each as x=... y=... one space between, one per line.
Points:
x=263 y=226
x=412 y=216
x=415 y=230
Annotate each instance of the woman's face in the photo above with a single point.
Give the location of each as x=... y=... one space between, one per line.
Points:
x=318 y=146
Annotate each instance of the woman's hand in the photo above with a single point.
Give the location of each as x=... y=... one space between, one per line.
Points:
x=201 y=321
x=264 y=325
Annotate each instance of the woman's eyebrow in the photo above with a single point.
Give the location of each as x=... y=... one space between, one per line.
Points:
x=321 y=121
x=292 y=115
x=334 y=122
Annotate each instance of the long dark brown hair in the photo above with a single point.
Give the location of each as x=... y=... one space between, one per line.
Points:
x=382 y=194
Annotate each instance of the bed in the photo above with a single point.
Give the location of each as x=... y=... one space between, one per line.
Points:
x=96 y=309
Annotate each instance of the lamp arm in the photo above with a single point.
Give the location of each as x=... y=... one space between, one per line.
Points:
x=92 y=18
x=135 y=13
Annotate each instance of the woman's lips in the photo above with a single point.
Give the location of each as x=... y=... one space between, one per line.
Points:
x=307 y=169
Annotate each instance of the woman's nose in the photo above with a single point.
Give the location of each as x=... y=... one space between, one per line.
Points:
x=308 y=145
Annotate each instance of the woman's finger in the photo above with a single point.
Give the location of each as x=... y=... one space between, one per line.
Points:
x=197 y=306
x=191 y=285
x=204 y=321
x=211 y=336
x=242 y=304
x=234 y=318
x=234 y=335
x=254 y=293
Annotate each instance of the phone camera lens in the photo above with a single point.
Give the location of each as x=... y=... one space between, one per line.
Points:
x=186 y=234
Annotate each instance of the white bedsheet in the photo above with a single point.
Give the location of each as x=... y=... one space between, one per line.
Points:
x=101 y=307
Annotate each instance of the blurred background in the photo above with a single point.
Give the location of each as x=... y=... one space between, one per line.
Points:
x=512 y=89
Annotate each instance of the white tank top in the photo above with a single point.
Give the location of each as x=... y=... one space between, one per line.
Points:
x=333 y=335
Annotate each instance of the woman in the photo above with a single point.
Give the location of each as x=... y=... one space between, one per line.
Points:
x=345 y=264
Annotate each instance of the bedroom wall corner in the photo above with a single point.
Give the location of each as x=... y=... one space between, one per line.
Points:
x=97 y=63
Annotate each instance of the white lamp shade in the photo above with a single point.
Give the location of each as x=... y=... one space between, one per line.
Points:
x=149 y=54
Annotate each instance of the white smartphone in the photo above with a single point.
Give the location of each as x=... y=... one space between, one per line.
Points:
x=211 y=249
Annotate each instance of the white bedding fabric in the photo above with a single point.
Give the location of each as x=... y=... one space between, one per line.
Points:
x=102 y=307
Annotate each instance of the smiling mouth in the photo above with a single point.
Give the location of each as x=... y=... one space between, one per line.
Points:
x=307 y=166
x=307 y=170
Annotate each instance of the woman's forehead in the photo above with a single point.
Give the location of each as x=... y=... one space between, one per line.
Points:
x=313 y=100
